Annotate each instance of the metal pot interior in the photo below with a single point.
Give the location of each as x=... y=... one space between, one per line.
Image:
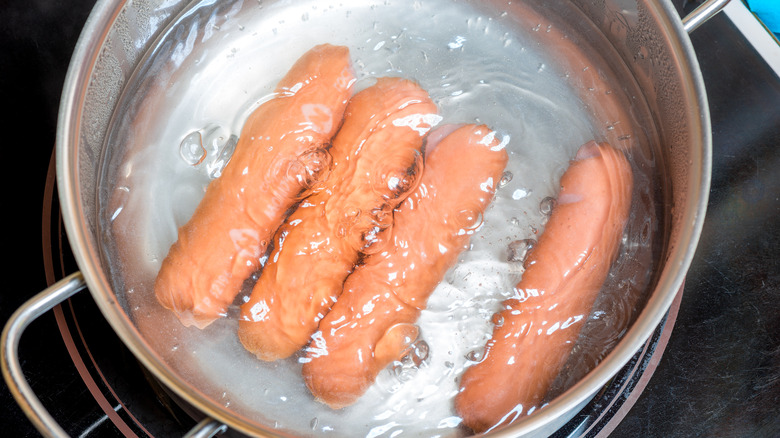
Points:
x=128 y=103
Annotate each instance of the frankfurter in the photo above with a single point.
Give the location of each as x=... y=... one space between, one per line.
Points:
x=280 y=155
x=376 y=162
x=373 y=322
x=563 y=276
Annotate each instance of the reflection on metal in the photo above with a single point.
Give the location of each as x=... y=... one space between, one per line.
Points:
x=207 y=428
x=702 y=13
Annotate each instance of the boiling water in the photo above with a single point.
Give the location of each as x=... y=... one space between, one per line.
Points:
x=185 y=106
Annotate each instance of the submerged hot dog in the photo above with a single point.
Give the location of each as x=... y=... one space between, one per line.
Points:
x=564 y=273
x=376 y=160
x=281 y=153
x=373 y=321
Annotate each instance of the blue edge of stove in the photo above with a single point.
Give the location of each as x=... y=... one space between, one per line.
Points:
x=768 y=11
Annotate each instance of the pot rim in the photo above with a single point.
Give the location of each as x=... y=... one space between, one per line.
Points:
x=670 y=281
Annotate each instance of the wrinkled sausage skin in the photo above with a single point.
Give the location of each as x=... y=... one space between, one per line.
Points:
x=377 y=158
x=373 y=322
x=280 y=155
x=563 y=276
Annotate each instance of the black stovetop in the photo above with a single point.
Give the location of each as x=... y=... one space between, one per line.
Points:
x=719 y=375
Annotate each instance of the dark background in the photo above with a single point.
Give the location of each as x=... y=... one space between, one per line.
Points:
x=720 y=374
x=37 y=38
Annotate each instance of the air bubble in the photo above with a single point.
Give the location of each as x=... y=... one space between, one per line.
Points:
x=415 y=356
x=468 y=221
x=210 y=147
x=223 y=156
x=403 y=373
x=348 y=219
x=547 y=205
x=505 y=179
x=191 y=149
x=370 y=227
x=396 y=182
x=310 y=168
x=497 y=319
x=475 y=355
x=352 y=213
x=518 y=250
x=419 y=352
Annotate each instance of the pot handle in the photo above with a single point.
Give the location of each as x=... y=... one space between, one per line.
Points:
x=207 y=428
x=12 y=333
x=12 y=368
x=702 y=13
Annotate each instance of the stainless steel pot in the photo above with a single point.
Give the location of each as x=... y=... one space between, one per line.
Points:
x=113 y=42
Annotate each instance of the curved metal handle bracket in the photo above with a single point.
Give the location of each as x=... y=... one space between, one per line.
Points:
x=702 y=13
x=12 y=333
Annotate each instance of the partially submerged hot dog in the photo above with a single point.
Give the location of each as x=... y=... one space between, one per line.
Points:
x=376 y=161
x=373 y=321
x=281 y=154
x=563 y=276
